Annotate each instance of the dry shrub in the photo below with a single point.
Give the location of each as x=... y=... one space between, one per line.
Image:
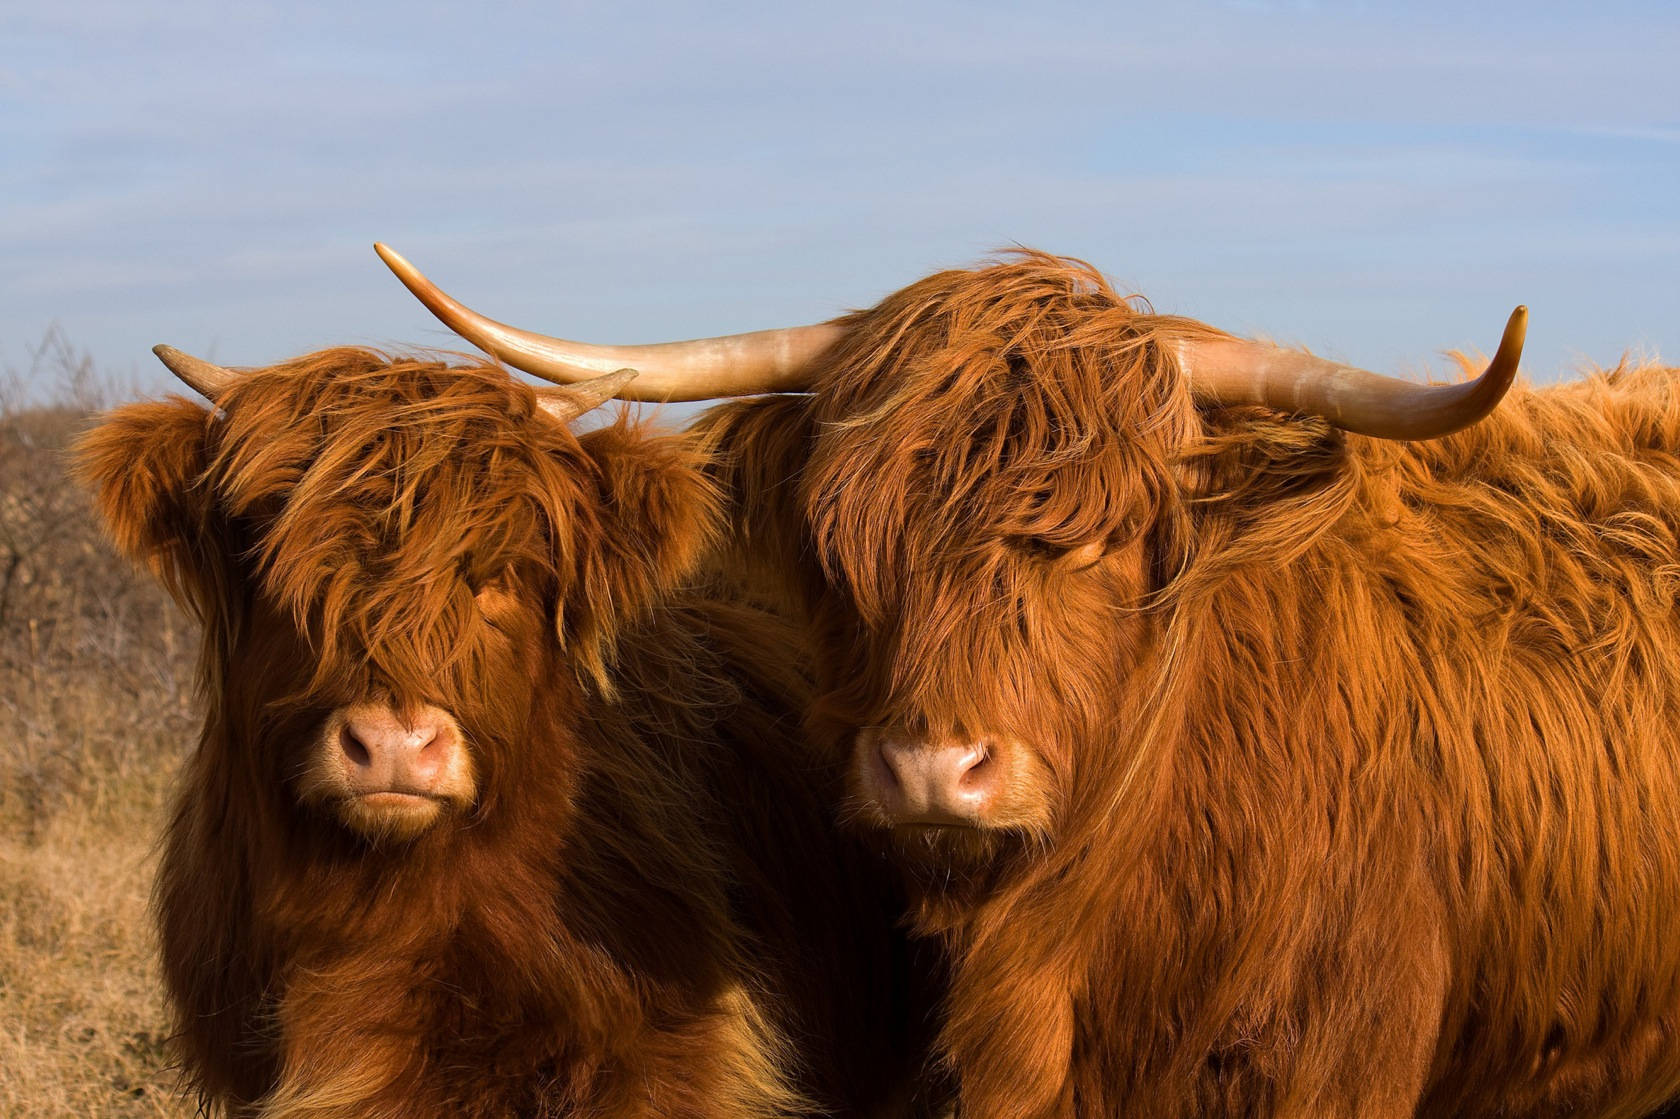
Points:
x=96 y=712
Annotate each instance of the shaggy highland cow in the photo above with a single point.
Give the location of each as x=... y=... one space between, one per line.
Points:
x=488 y=817
x=1242 y=765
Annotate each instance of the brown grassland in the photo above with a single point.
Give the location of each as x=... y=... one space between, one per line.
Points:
x=96 y=712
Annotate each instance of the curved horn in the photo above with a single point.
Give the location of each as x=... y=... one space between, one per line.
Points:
x=1233 y=371
x=209 y=381
x=568 y=403
x=733 y=365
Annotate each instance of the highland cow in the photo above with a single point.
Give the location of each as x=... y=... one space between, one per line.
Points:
x=1242 y=765
x=490 y=816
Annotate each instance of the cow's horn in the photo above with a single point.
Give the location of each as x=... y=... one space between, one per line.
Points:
x=733 y=365
x=571 y=401
x=209 y=381
x=1233 y=371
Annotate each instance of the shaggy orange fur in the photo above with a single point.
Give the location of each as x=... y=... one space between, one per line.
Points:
x=1362 y=758
x=641 y=913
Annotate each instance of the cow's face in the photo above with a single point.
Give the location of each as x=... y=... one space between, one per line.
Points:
x=408 y=574
x=983 y=498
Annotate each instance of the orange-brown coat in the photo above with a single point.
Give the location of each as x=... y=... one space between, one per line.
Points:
x=490 y=816
x=1316 y=774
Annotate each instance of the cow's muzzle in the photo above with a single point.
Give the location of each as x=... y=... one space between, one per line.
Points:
x=952 y=784
x=390 y=775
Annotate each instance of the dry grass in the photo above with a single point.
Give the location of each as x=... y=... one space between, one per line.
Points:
x=81 y=1024
x=95 y=714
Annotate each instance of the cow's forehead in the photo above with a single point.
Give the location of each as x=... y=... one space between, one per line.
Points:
x=408 y=469
x=992 y=452
x=979 y=432
x=331 y=430
x=318 y=401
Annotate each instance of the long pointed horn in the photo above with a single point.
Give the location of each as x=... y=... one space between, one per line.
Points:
x=1233 y=371
x=571 y=401
x=733 y=365
x=209 y=381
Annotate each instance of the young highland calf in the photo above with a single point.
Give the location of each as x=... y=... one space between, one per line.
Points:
x=1241 y=765
x=488 y=817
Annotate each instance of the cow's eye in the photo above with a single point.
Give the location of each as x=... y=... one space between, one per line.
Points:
x=1076 y=558
x=495 y=597
x=1085 y=555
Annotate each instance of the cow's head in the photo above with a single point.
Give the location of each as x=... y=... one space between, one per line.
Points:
x=406 y=573
x=977 y=506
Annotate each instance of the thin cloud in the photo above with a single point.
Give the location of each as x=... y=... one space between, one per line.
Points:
x=657 y=170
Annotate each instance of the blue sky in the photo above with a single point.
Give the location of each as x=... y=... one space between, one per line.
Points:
x=1379 y=182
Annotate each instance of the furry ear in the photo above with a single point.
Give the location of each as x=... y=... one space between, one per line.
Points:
x=144 y=464
x=756 y=449
x=659 y=521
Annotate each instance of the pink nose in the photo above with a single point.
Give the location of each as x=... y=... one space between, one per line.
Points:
x=932 y=783
x=384 y=754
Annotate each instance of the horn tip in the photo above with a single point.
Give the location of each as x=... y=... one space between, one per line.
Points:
x=411 y=277
x=1516 y=332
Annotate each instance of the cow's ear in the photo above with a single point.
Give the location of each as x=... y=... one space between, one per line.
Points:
x=659 y=522
x=145 y=465
x=756 y=450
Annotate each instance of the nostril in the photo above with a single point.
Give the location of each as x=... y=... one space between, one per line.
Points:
x=353 y=748
x=433 y=747
x=978 y=768
x=884 y=766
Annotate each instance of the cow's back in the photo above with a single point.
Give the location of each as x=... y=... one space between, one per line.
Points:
x=1542 y=566
x=1457 y=664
